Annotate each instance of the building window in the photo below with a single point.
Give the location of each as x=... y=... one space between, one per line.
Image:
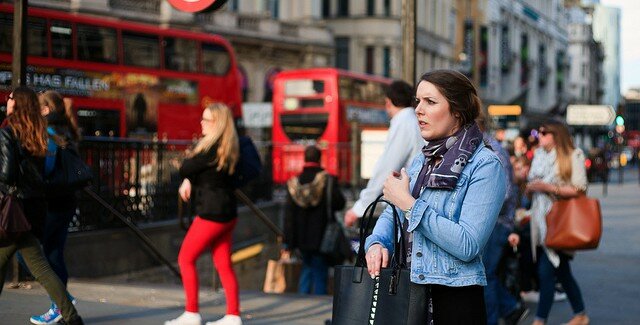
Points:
x=371 y=7
x=326 y=8
x=342 y=53
x=274 y=8
x=386 y=67
x=387 y=8
x=233 y=5
x=369 y=59
x=343 y=8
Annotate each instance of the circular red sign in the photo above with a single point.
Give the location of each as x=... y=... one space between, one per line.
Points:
x=191 y=5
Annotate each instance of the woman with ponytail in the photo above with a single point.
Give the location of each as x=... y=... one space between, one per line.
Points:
x=23 y=146
x=208 y=170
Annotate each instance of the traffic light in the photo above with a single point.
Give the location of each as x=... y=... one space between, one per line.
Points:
x=619 y=120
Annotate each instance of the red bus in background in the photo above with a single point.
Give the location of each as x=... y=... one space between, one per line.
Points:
x=327 y=107
x=125 y=79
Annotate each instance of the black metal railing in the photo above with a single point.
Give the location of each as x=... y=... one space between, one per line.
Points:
x=140 y=179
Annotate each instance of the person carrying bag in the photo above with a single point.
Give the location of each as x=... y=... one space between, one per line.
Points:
x=384 y=299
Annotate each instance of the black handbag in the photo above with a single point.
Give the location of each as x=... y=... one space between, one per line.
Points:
x=13 y=222
x=334 y=245
x=358 y=299
x=69 y=174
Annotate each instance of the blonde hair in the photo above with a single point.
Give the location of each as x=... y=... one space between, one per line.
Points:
x=564 y=148
x=224 y=136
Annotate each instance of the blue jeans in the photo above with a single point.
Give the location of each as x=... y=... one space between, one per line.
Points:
x=54 y=240
x=547 y=275
x=498 y=299
x=313 y=277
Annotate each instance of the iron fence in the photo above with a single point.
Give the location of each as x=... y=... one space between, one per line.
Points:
x=140 y=179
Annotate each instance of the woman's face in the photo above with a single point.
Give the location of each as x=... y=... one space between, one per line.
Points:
x=207 y=122
x=433 y=112
x=11 y=104
x=545 y=138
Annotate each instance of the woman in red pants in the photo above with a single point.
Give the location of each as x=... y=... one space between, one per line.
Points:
x=208 y=170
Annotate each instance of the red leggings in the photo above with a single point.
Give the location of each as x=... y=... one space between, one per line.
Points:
x=201 y=235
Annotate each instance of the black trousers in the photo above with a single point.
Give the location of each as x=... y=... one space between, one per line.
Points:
x=451 y=305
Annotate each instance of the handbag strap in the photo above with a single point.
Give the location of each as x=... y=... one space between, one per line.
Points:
x=398 y=259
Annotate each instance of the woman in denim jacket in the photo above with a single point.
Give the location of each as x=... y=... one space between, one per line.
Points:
x=450 y=199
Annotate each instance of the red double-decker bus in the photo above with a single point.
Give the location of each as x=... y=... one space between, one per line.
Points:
x=126 y=79
x=327 y=107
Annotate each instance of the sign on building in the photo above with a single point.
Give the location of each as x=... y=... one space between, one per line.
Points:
x=590 y=115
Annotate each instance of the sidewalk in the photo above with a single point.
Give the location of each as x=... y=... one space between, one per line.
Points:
x=101 y=303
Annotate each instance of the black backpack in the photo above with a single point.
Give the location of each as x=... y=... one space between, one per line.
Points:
x=249 y=165
x=69 y=174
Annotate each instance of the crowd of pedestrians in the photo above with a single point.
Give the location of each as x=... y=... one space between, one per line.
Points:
x=468 y=200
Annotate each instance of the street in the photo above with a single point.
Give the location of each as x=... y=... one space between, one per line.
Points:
x=607 y=276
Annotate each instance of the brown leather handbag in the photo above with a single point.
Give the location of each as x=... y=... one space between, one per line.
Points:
x=574 y=224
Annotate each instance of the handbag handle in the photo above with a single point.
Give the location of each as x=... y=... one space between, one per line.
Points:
x=398 y=259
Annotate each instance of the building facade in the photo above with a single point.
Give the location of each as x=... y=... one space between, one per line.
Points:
x=586 y=79
x=606 y=30
x=368 y=35
x=526 y=60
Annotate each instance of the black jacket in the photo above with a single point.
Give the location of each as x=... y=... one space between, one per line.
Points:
x=61 y=202
x=211 y=190
x=13 y=158
x=21 y=174
x=306 y=214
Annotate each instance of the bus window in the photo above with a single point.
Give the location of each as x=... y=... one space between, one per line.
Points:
x=61 y=45
x=6 y=32
x=97 y=44
x=215 y=59
x=37 y=37
x=180 y=54
x=141 y=50
x=99 y=122
x=299 y=127
x=303 y=87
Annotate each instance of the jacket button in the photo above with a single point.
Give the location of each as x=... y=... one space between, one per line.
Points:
x=419 y=254
x=421 y=276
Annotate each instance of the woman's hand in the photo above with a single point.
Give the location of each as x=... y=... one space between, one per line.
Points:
x=377 y=257
x=185 y=190
x=514 y=239
x=396 y=190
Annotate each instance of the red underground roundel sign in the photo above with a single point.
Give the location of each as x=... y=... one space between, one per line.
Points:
x=191 y=5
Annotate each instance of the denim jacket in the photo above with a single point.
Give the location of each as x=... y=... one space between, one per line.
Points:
x=450 y=227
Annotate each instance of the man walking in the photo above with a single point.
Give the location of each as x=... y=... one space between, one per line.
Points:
x=403 y=143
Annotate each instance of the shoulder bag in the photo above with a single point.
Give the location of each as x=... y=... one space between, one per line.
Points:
x=334 y=245
x=13 y=222
x=69 y=174
x=574 y=224
x=358 y=299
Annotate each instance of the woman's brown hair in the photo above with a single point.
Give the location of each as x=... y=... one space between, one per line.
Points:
x=464 y=103
x=26 y=122
x=63 y=114
x=564 y=147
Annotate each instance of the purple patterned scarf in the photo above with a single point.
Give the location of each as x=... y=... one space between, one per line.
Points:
x=455 y=151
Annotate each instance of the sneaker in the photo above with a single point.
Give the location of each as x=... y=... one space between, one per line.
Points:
x=187 y=318
x=517 y=316
x=227 y=320
x=52 y=316
x=559 y=296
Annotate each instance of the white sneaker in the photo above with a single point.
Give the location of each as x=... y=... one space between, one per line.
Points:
x=530 y=296
x=227 y=320
x=187 y=318
x=559 y=296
